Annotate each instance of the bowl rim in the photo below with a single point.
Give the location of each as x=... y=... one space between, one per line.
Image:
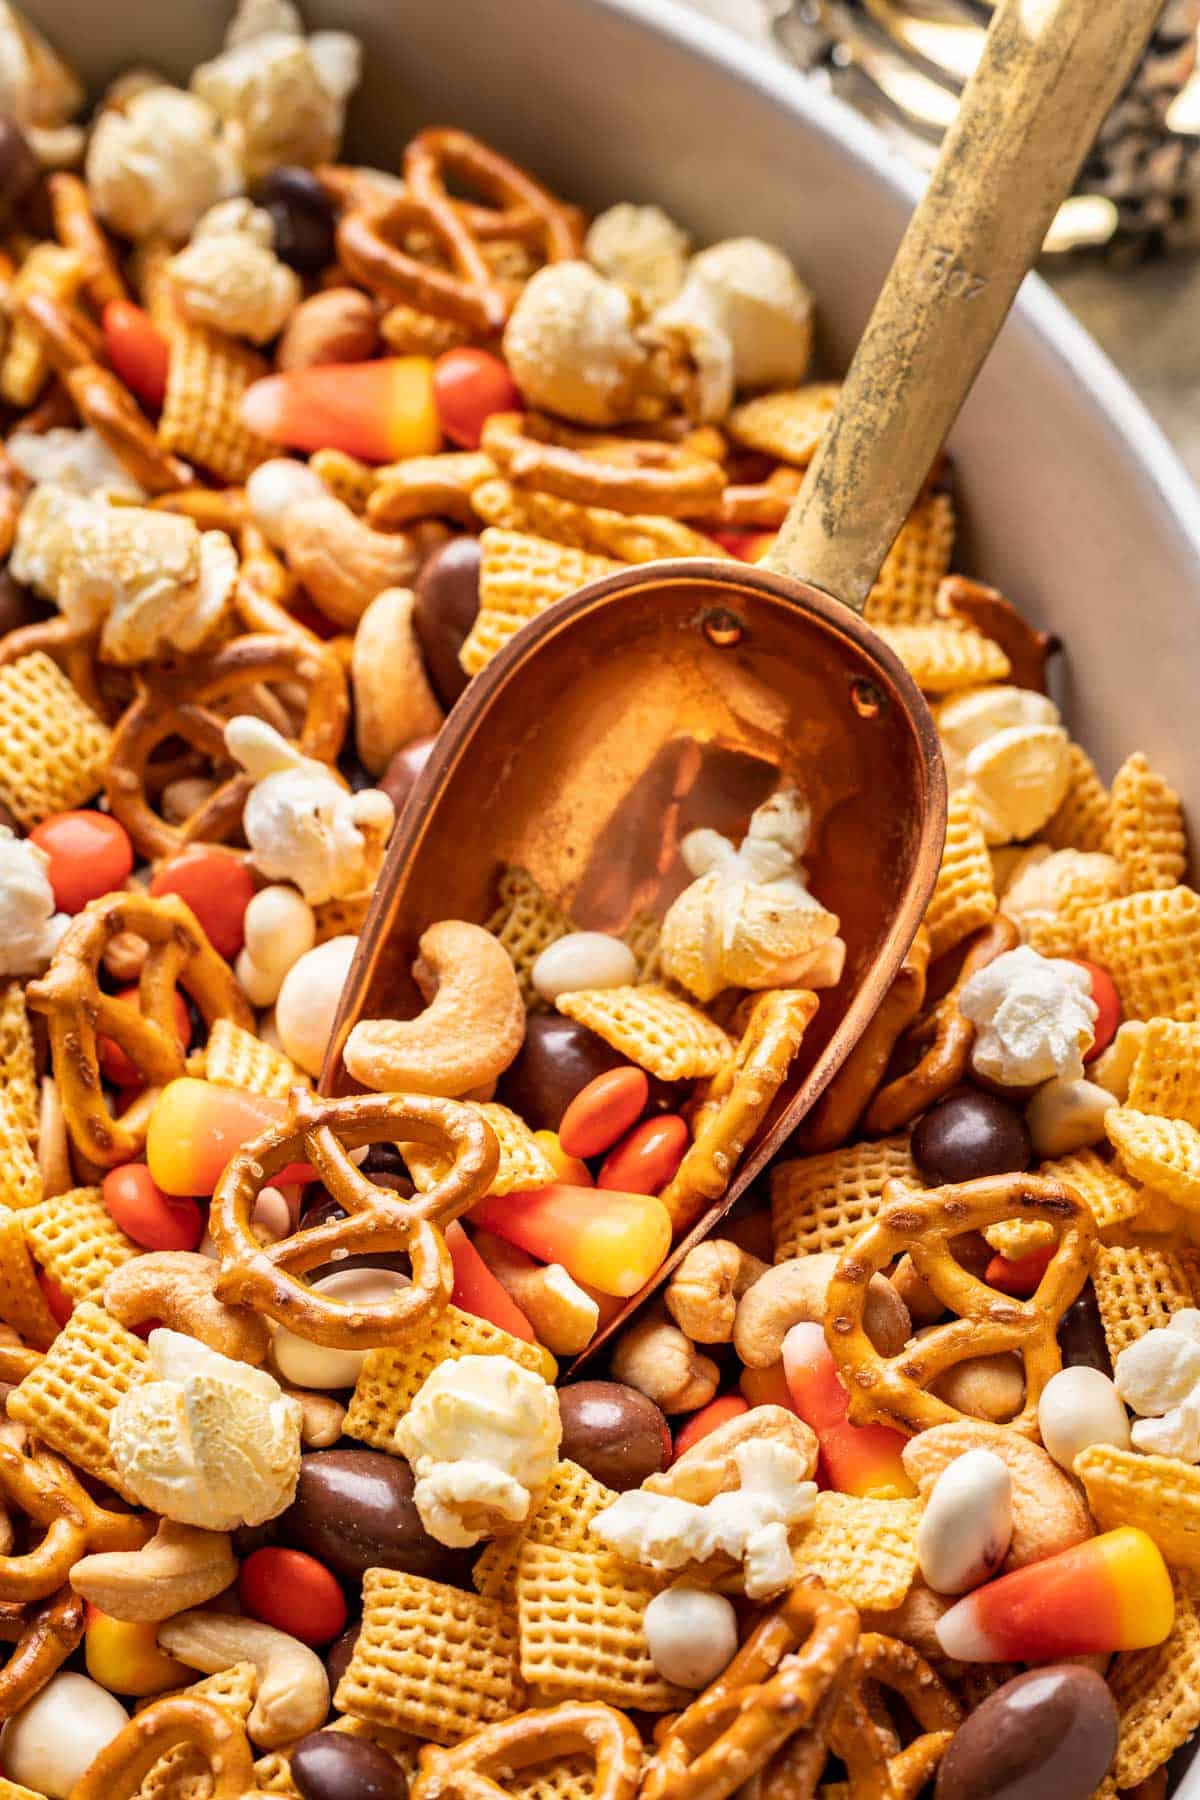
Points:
x=1036 y=310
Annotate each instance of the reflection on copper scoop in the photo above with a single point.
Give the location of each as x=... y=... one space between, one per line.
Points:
x=680 y=693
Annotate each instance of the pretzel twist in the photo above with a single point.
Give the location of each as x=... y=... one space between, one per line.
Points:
x=192 y=700
x=124 y=1763
x=773 y=1689
x=469 y=1770
x=265 y=590
x=895 y=1390
x=46 y=1636
x=79 y=1012
x=599 y=469
x=379 y=1221
x=754 y=505
x=848 y=1095
x=370 y=238
x=48 y=1494
x=71 y=646
x=945 y=1036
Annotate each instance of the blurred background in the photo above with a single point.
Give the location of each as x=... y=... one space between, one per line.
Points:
x=1124 y=253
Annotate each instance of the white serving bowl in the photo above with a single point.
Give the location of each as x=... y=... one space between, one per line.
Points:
x=1070 y=499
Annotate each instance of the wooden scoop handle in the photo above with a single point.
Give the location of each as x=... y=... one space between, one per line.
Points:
x=1049 y=73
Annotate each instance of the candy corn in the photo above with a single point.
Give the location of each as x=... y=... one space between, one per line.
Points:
x=605 y=1239
x=567 y=1168
x=380 y=411
x=1111 y=1593
x=477 y=1291
x=717 y=1412
x=856 y=1459
x=766 y=1387
x=196 y=1127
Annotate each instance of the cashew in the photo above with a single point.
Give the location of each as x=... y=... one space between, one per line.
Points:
x=470 y=1031
x=53 y=1152
x=321 y=1417
x=393 y=701
x=703 y=1293
x=563 y=1315
x=176 y=1288
x=1048 y=1511
x=181 y=1566
x=343 y=563
x=293 y=1688
x=794 y=1291
x=655 y=1357
x=986 y=1387
x=709 y=1469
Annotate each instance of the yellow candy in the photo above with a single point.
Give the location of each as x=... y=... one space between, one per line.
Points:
x=567 y=1168
x=125 y=1658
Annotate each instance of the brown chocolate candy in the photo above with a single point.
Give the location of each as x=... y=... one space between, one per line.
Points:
x=1047 y=1735
x=557 y=1058
x=354 y=1511
x=446 y=602
x=613 y=1432
x=332 y=1765
x=337 y=1657
x=303 y=217
x=1081 y=1335
x=400 y=777
x=968 y=1135
x=19 y=168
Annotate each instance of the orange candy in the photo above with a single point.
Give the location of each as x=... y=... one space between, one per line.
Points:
x=293 y=1592
x=380 y=411
x=154 y=1220
x=604 y=1111
x=1020 y=1275
x=610 y=1241
x=477 y=1291
x=717 y=1412
x=195 y=1129
x=90 y=855
x=766 y=1387
x=137 y=350
x=217 y=886
x=568 y=1168
x=646 y=1157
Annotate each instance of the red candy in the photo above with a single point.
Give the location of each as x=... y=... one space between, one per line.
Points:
x=468 y=387
x=1019 y=1275
x=90 y=854
x=747 y=546
x=137 y=350
x=154 y=1220
x=477 y=1291
x=218 y=887
x=115 y=1065
x=647 y=1157
x=604 y=1110
x=57 y=1299
x=1104 y=993
x=717 y=1412
x=293 y=1592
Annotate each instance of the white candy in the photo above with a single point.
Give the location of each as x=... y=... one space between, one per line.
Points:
x=280 y=929
x=1079 y=1407
x=965 y=1529
x=275 y=485
x=260 y=987
x=309 y=998
x=691 y=1635
x=583 y=959
x=1158 y=1370
x=48 y=1744
x=308 y=1365
x=1067 y=1115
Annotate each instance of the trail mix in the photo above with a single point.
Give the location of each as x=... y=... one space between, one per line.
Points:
x=895 y=1485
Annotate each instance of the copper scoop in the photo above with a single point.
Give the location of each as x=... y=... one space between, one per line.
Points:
x=681 y=693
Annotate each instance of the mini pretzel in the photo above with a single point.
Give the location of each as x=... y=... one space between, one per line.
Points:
x=429 y=487
x=770 y=1691
x=380 y=1221
x=1027 y=649
x=124 y=1763
x=370 y=239
x=48 y=1494
x=946 y=1037
x=265 y=589
x=79 y=1011
x=848 y=1095
x=45 y=1637
x=895 y=1390
x=754 y=506
x=469 y=1770
x=862 y=1737
x=71 y=646
x=598 y=469
x=212 y=509
x=76 y=228
x=191 y=700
